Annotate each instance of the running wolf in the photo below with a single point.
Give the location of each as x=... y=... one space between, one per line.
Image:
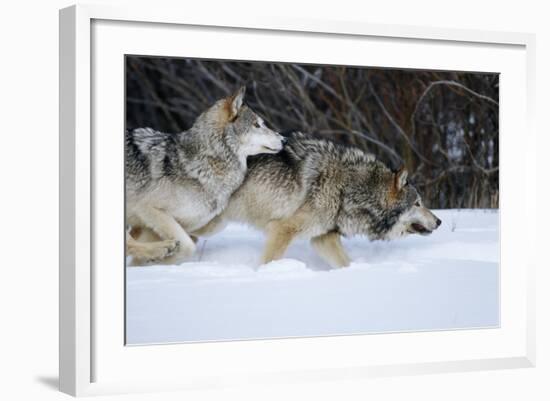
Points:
x=319 y=190
x=176 y=183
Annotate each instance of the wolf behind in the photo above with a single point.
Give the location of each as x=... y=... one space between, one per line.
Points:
x=176 y=183
x=319 y=190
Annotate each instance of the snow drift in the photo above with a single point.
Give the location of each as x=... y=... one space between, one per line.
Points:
x=449 y=280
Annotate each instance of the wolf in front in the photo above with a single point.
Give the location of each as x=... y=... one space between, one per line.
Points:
x=319 y=190
x=176 y=183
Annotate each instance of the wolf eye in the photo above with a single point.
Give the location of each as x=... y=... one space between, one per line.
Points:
x=257 y=124
x=417 y=203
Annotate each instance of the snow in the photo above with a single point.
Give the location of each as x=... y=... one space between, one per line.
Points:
x=448 y=280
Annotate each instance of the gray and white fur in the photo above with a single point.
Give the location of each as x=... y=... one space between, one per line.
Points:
x=319 y=190
x=177 y=182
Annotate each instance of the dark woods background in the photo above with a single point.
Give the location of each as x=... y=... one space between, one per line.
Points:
x=443 y=126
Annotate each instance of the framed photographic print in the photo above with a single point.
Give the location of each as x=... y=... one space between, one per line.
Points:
x=336 y=203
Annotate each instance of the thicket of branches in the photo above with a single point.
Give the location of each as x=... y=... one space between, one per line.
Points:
x=443 y=126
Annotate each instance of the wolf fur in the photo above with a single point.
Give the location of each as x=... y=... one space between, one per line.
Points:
x=321 y=191
x=176 y=183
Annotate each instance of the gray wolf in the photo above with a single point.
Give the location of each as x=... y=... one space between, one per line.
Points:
x=321 y=191
x=177 y=182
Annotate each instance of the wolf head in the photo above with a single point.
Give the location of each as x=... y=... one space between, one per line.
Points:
x=241 y=127
x=383 y=205
x=414 y=217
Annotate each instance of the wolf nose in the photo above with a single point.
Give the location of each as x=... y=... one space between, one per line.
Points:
x=284 y=140
x=437 y=222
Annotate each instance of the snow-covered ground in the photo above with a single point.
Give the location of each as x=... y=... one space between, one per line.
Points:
x=447 y=280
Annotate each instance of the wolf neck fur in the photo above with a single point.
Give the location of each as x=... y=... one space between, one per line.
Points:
x=374 y=174
x=213 y=159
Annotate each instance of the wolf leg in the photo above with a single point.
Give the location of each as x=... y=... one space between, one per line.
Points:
x=149 y=252
x=167 y=228
x=145 y=234
x=279 y=236
x=329 y=247
x=214 y=226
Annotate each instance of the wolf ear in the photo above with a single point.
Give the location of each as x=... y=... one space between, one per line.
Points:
x=235 y=102
x=400 y=178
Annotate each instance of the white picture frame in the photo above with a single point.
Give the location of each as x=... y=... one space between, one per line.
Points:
x=89 y=340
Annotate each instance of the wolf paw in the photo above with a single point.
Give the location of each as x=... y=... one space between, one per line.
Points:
x=164 y=250
x=172 y=247
x=182 y=253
